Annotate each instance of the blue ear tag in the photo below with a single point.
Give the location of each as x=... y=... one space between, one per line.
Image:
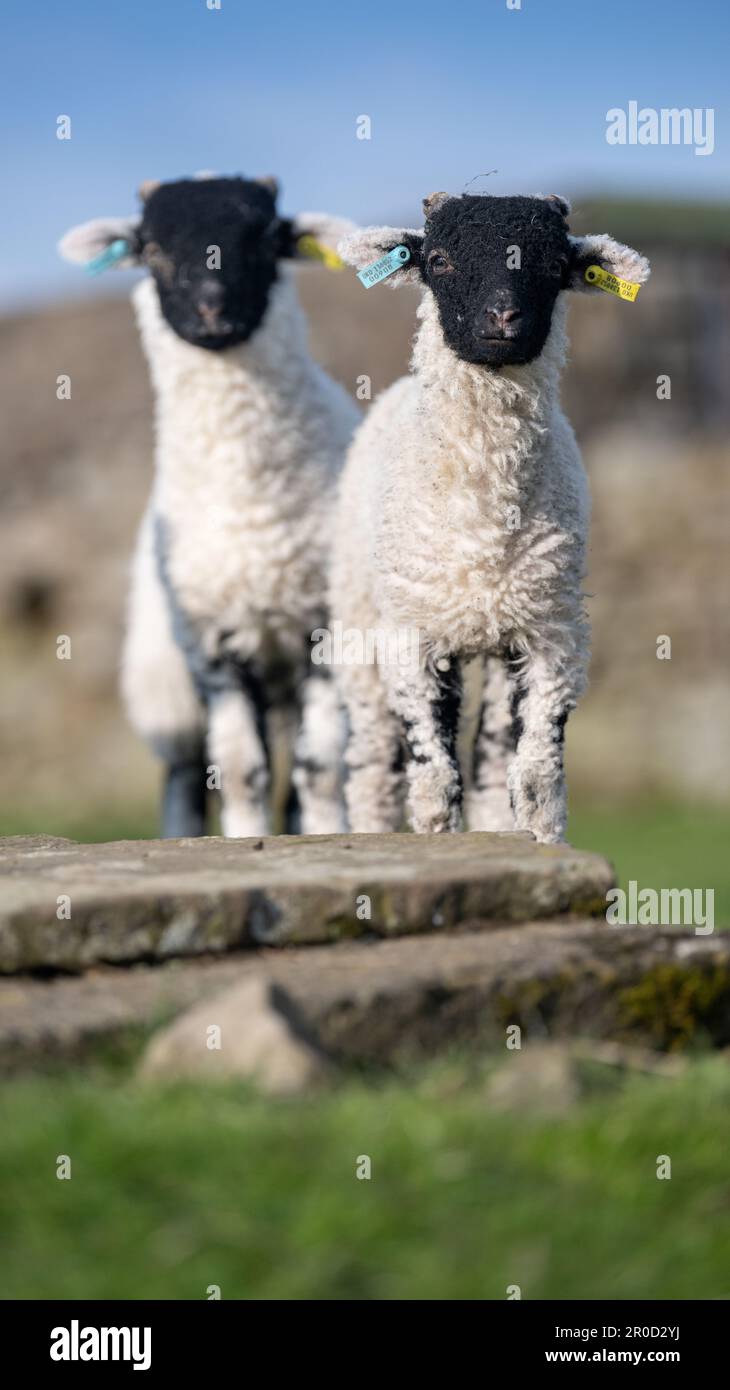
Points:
x=380 y=270
x=116 y=251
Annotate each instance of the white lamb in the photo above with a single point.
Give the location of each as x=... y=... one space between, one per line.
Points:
x=463 y=516
x=229 y=574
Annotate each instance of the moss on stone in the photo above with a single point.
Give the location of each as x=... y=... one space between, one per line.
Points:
x=674 y=1003
x=588 y=907
x=531 y=998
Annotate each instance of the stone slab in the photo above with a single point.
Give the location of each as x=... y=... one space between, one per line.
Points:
x=156 y=899
x=374 y=1001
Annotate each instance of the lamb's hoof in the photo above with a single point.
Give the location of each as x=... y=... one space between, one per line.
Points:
x=545 y=837
x=446 y=824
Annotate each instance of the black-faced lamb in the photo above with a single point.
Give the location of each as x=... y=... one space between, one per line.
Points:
x=463 y=515
x=229 y=573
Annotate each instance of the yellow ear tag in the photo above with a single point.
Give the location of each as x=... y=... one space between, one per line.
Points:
x=317 y=251
x=625 y=289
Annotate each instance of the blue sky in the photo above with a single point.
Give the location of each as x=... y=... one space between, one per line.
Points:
x=453 y=88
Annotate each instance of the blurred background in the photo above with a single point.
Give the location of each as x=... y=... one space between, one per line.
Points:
x=179 y=1189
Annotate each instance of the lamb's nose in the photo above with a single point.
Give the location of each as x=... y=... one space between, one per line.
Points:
x=496 y=321
x=210 y=299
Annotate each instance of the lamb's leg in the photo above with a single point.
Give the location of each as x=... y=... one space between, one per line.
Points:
x=428 y=703
x=488 y=803
x=160 y=695
x=549 y=689
x=374 y=754
x=237 y=748
x=185 y=793
x=318 y=750
x=292 y=813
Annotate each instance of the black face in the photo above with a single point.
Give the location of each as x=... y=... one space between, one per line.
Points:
x=496 y=306
x=191 y=227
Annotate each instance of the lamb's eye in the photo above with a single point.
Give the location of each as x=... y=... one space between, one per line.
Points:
x=439 y=264
x=559 y=267
x=154 y=257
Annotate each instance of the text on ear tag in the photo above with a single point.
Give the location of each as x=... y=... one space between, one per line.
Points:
x=116 y=251
x=625 y=289
x=317 y=251
x=379 y=270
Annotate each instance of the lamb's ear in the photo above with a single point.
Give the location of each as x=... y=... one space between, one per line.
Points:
x=313 y=236
x=87 y=242
x=368 y=245
x=561 y=204
x=610 y=255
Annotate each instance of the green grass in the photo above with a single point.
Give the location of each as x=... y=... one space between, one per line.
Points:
x=662 y=846
x=175 y=1190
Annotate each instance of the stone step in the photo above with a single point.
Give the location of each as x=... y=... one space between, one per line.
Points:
x=379 y=1000
x=67 y=906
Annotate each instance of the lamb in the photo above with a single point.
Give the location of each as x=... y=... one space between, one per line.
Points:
x=463 y=515
x=228 y=577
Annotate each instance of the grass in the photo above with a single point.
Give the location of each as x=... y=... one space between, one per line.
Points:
x=175 y=1190
x=662 y=846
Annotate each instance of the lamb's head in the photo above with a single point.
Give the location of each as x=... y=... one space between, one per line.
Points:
x=495 y=267
x=212 y=246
